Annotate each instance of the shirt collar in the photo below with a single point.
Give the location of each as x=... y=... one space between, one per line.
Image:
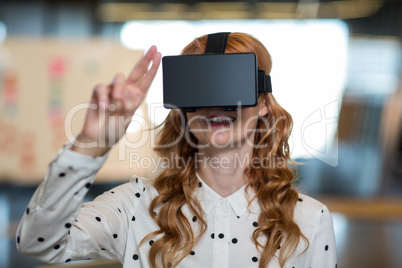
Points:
x=208 y=198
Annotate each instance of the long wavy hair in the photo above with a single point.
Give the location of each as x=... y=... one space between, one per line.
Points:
x=272 y=184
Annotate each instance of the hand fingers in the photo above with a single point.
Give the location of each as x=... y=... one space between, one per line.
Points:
x=117 y=92
x=101 y=96
x=128 y=94
x=117 y=87
x=134 y=93
x=150 y=75
x=142 y=66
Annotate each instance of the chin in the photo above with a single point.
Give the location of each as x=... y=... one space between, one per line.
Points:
x=222 y=140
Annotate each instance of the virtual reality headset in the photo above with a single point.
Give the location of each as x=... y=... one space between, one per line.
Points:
x=213 y=79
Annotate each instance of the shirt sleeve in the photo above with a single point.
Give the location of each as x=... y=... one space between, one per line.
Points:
x=54 y=230
x=322 y=247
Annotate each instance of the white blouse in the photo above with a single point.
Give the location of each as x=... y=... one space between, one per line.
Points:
x=57 y=227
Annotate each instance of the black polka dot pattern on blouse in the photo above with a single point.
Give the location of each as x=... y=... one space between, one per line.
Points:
x=237 y=243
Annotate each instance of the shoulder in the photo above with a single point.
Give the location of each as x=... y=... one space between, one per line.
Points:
x=309 y=213
x=309 y=205
x=315 y=222
x=137 y=188
x=137 y=184
x=141 y=182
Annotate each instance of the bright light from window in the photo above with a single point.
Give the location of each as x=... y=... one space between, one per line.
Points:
x=308 y=75
x=341 y=226
x=3 y=32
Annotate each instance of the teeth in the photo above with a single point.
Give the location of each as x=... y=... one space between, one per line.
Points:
x=220 y=120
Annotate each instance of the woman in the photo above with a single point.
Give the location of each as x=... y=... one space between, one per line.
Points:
x=229 y=204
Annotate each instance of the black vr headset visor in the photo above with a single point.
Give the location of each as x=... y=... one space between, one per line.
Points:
x=213 y=79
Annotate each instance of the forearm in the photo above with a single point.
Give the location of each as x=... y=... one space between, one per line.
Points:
x=44 y=228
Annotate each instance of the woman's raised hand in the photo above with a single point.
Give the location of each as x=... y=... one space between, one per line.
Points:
x=112 y=106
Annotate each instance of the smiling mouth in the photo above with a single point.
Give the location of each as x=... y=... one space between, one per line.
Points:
x=219 y=120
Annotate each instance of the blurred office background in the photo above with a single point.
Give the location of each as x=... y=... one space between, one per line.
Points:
x=337 y=68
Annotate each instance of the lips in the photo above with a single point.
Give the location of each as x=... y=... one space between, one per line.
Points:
x=219 y=120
